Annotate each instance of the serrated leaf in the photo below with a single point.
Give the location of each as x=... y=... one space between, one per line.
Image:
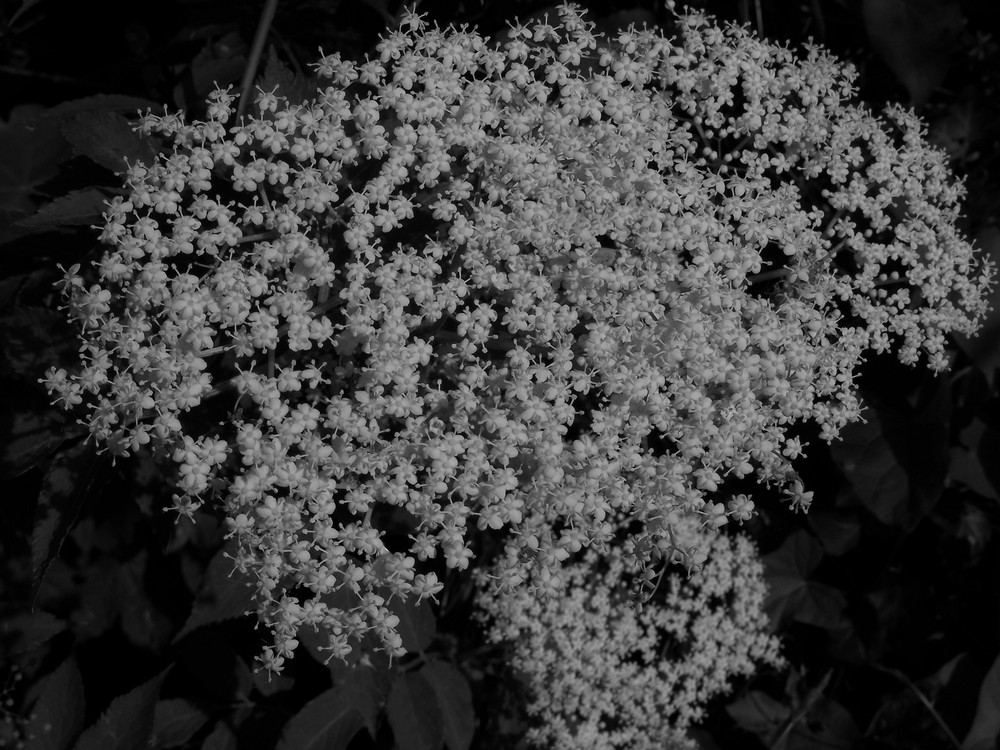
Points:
x=107 y=138
x=30 y=154
x=915 y=38
x=127 y=723
x=209 y=70
x=957 y=129
x=988 y=452
x=827 y=725
x=362 y=687
x=969 y=466
x=175 y=721
x=57 y=716
x=327 y=722
x=27 y=633
x=209 y=661
x=414 y=714
x=13 y=286
x=985 y=730
x=34 y=339
x=365 y=687
x=101 y=103
x=64 y=491
x=455 y=700
x=222 y=737
x=271 y=684
x=839 y=532
x=142 y=622
x=896 y=463
x=281 y=79
x=376 y=679
x=758 y=713
x=100 y=593
x=33 y=147
x=865 y=458
x=76 y=208
x=221 y=596
x=30 y=430
x=416 y=623
x=792 y=595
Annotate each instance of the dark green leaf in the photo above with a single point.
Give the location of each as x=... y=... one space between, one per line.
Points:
x=32 y=146
x=281 y=79
x=57 y=716
x=64 y=491
x=30 y=154
x=107 y=138
x=128 y=722
x=207 y=659
x=867 y=461
x=896 y=463
x=792 y=595
x=327 y=722
x=142 y=621
x=826 y=725
x=455 y=700
x=271 y=684
x=988 y=452
x=365 y=688
x=100 y=598
x=14 y=286
x=839 y=531
x=101 y=103
x=967 y=468
x=221 y=738
x=34 y=339
x=28 y=632
x=414 y=714
x=175 y=721
x=985 y=730
x=915 y=38
x=30 y=430
x=218 y=64
x=956 y=129
x=759 y=713
x=416 y=623
x=225 y=593
x=76 y=208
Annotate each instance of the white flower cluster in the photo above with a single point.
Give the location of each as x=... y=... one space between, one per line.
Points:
x=600 y=675
x=531 y=287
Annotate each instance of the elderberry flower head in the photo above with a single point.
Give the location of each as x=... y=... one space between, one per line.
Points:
x=527 y=288
x=600 y=675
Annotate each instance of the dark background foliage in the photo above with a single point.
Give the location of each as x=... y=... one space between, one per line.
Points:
x=121 y=630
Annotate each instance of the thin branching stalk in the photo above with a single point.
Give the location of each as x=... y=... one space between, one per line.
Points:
x=256 y=52
x=903 y=678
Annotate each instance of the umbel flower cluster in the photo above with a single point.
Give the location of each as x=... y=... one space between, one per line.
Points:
x=602 y=675
x=528 y=289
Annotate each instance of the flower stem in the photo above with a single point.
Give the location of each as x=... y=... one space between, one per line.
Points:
x=758 y=278
x=256 y=52
x=903 y=678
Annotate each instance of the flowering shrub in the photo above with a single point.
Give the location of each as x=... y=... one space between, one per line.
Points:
x=602 y=675
x=536 y=288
